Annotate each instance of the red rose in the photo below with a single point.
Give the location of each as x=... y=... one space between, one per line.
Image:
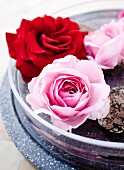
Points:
x=42 y=40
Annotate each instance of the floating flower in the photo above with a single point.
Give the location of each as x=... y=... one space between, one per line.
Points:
x=70 y=91
x=42 y=40
x=106 y=46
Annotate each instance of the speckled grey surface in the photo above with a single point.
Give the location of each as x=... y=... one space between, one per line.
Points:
x=23 y=140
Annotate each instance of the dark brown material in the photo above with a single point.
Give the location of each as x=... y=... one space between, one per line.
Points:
x=114 y=122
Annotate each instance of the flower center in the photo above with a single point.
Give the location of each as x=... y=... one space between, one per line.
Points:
x=69 y=87
x=71 y=90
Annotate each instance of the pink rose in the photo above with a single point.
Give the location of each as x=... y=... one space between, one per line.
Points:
x=121 y=14
x=106 y=46
x=70 y=91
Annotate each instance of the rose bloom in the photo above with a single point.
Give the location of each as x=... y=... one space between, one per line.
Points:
x=38 y=42
x=70 y=91
x=106 y=46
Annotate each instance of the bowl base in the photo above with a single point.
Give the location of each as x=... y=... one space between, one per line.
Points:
x=41 y=153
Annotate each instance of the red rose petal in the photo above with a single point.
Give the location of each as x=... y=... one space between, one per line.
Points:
x=26 y=78
x=49 y=24
x=27 y=68
x=61 y=43
x=10 y=39
x=20 y=48
x=39 y=60
x=72 y=51
x=38 y=24
x=71 y=25
x=23 y=29
x=63 y=25
x=78 y=39
x=33 y=44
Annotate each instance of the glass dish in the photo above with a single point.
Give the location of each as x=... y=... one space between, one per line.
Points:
x=90 y=144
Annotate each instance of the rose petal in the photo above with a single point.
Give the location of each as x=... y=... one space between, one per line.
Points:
x=92 y=44
x=55 y=92
x=26 y=67
x=94 y=74
x=10 y=39
x=31 y=85
x=60 y=124
x=23 y=29
x=60 y=44
x=49 y=25
x=83 y=101
x=109 y=54
x=77 y=121
x=98 y=91
x=68 y=61
x=33 y=43
x=38 y=24
x=72 y=101
x=39 y=60
x=68 y=125
x=63 y=111
x=62 y=24
x=102 y=112
x=35 y=101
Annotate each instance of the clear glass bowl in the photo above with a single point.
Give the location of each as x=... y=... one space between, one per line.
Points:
x=90 y=144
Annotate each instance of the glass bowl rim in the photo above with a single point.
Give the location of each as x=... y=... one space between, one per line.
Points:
x=91 y=141
x=82 y=3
